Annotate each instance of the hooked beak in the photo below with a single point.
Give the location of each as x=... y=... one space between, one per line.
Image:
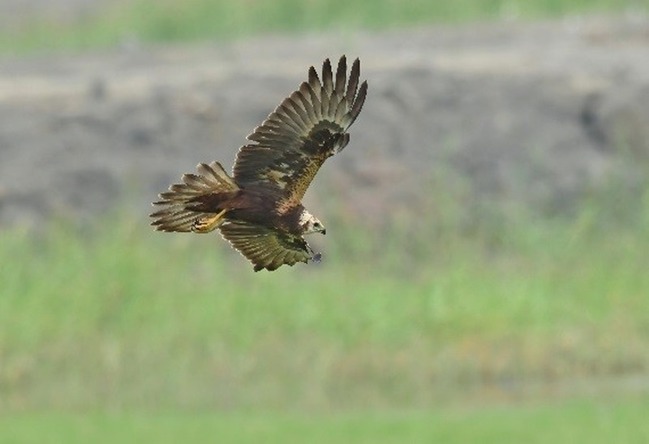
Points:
x=324 y=231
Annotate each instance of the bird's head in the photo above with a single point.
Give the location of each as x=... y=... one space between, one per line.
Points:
x=311 y=224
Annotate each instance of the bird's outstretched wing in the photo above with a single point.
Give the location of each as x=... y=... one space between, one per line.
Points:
x=288 y=148
x=265 y=247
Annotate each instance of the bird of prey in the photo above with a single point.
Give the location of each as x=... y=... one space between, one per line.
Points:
x=258 y=208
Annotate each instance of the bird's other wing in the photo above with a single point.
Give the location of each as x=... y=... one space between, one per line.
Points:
x=288 y=148
x=265 y=247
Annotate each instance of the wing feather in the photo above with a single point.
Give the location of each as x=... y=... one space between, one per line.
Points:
x=270 y=139
x=341 y=78
x=266 y=248
x=352 y=85
x=287 y=112
x=287 y=150
x=324 y=101
x=295 y=100
x=327 y=77
x=303 y=97
x=358 y=103
x=313 y=76
x=340 y=111
x=313 y=99
x=284 y=118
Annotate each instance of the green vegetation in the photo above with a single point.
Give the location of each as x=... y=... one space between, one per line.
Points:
x=414 y=321
x=594 y=422
x=170 y=20
x=121 y=317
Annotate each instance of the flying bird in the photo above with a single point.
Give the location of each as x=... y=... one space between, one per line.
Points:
x=258 y=209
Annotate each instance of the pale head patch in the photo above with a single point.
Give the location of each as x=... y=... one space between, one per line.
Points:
x=310 y=223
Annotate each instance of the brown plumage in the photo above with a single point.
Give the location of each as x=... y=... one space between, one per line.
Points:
x=259 y=209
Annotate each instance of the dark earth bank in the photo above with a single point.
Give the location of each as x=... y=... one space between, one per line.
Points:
x=537 y=115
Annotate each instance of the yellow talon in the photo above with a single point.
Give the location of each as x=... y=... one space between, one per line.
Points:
x=205 y=224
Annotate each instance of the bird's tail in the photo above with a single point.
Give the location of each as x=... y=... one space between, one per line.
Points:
x=194 y=205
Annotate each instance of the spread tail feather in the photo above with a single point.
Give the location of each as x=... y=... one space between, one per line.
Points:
x=193 y=204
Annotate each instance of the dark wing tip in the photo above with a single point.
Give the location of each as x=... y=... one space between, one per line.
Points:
x=326 y=65
x=342 y=63
x=341 y=77
x=358 y=103
x=313 y=76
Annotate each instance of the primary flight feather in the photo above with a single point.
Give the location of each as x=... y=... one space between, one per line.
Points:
x=259 y=209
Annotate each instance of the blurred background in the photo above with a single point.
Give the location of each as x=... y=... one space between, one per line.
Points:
x=484 y=276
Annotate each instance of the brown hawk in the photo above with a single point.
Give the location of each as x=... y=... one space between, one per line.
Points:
x=258 y=209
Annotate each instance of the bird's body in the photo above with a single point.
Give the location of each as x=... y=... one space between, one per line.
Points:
x=258 y=209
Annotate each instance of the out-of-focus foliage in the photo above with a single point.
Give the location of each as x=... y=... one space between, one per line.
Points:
x=173 y=20
x=592 y=421
x=159 y=318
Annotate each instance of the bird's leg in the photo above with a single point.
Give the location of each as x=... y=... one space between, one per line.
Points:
x=315 y=257
x=205 y=224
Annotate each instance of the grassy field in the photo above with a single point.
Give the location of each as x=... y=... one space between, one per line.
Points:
x=517 y=331
x=619 y=421
x=120 y=317
x=127 y=21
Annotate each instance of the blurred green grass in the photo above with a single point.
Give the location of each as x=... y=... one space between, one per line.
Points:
x=593 y=421
x=170 y=20
x=121 y=317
